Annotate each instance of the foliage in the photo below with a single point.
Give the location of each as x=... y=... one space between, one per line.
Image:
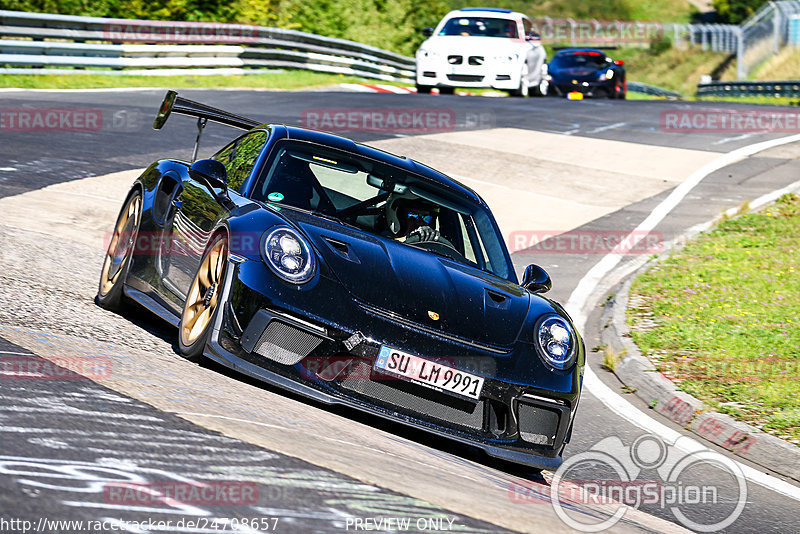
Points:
x=736 y=11
x=390 y=24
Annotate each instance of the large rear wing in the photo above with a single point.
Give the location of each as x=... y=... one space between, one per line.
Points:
x=177 y=104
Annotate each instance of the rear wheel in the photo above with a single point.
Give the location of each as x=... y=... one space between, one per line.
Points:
x=542 y=88
x=119 y=254
x=202 y=302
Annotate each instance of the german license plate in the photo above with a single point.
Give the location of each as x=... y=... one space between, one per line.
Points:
x=394 y=362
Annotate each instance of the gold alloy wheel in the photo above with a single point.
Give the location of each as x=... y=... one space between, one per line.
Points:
x=204 y=294
x=121 y=244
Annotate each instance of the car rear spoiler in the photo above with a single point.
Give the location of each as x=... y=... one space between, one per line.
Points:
x=174 y=103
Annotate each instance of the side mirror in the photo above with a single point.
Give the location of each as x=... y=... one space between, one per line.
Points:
x=210 y=171
x=427 y=32
x=536 y=279
x=533 y=36
x=619 y=62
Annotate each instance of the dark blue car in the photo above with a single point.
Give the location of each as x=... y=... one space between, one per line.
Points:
x=587 y=71
x=351 y=276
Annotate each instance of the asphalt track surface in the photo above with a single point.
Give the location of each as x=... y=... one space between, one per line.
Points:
x=63 y=439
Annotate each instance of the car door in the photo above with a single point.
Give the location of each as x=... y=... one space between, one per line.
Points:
x=198 y=209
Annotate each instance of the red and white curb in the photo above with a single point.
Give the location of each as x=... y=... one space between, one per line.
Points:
x=399 y=90
x=378 y=88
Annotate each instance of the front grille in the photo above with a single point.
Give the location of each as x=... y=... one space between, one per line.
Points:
x=537 y=425
x=454 y=60
x=285 y=344
x=429 y=74
x=476 y=60
x=503 y=77
x=414 y=399
x=465 y=77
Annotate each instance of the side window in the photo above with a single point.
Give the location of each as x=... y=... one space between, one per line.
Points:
x=240 y=157
x=527 y=26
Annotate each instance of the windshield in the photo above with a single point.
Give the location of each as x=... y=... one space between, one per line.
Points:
x=481 y=27
x=382 y=200
x=585 y=60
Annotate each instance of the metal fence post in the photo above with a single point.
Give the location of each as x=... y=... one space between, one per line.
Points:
x=741 y=71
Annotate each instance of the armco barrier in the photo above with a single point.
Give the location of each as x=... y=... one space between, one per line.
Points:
x=787 y=88
x=120 y=43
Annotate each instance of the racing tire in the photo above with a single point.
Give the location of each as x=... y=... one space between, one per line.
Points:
x=542 y=89
x=424 y=89
x=117 y=263
x=447 y=90
x=524 y=89
x=202 y=302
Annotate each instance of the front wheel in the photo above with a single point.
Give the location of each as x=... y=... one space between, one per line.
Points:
x=447 y=90
x=524 y=87
x=423 y=89
x=119 y=254
x=202 y=302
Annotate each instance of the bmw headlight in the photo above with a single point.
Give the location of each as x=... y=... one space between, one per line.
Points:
x=607 y=75
x=289 y=255
x=556 y=341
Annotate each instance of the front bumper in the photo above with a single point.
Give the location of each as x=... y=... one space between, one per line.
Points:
x=495 y=76
x=588 y=88
x=326 y=362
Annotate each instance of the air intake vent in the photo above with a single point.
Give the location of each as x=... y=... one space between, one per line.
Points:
x=285 y=344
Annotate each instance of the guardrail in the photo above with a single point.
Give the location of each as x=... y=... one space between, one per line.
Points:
x=787 y=88
x=121 y=43
x=638 y=87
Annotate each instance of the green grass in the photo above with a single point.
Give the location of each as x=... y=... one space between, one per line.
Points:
x=784 y=65
x=722 y=318
x=289 y=79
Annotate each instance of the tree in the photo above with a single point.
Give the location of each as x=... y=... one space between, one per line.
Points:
x=736 y=11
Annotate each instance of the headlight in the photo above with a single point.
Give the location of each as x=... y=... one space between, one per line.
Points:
x=556 y=341
x=289 y=256
x=607 y=75
x=426 y=53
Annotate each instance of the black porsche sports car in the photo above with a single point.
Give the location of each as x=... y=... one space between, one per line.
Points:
x=351 y=276
x=587 y=71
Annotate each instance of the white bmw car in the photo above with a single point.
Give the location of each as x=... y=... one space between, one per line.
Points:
x=483 y=47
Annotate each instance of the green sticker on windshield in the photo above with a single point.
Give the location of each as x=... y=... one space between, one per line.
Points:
x=275 y=197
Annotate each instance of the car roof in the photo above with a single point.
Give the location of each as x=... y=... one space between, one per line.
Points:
x=579 y=50
x=402 y=162
x=488 y=11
